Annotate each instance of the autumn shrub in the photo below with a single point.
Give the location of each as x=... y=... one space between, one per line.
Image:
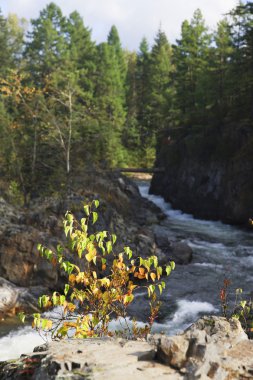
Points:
x=102 y=287
x=240 y=308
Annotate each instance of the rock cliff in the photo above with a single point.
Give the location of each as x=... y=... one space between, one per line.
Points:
x=208 y=172
x=24 y=275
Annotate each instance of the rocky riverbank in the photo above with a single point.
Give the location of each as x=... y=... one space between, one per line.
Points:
x=24 y=275
x=208 y=172
x=212 y=348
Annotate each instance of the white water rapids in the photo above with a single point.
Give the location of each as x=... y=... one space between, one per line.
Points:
x=219 y=251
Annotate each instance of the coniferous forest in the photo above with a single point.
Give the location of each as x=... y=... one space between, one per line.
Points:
x=68 y=104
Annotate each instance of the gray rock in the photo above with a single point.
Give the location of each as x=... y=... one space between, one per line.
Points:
x=208 y=177
x=128 y=187
x=181 y=253
x=178 y=251
x=211 y=348
x=122 y=211
x=13 y=298
x=88 y=359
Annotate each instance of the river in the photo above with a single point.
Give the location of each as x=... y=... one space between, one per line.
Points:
x=219 y=251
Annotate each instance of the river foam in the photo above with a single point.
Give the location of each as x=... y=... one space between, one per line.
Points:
x=186 y=313
x=18 y=342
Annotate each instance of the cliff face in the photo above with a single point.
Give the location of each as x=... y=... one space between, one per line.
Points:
x=208 y=173
x=24 y=274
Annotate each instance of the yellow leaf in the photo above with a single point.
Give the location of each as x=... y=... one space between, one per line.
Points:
x=80 y=277
x=71 y=307
x=105 y=281
x=49 y=324
x=106 y=297
x=69 y=324
x=120 y=265
x=153 y=276
x=72 y=278
x=128 y=298
x=131 y=286
x=89 y=256
x=91 y=253
x=94 y=275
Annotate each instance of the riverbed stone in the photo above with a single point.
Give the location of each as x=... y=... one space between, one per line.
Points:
x=181 y=253
x=178 y=251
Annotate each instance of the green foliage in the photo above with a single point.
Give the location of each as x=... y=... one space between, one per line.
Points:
x=160 y=89
x=102 y=105
x=103 y=285
x=191 y=60
x=46 y=47
x=14 y=194
x=241 y=308
x=11 y=42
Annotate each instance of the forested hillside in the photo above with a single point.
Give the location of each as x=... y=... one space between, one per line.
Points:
x=68 y=104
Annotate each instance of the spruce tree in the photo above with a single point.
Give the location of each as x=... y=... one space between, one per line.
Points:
x=219 y=69
x=160 y=90
x=242 y=61
x=191 y=61
x=82 y=53
x=5 y=56
x=113 y=40
x=46 y=47
x=16 y=30
x=142 y=90
x=131 y=133
x=110 y=103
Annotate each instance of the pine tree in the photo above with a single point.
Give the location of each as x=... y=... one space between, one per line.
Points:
x=46 y=48
x=159 y=87
x=131 y=135
x=242 y=61
x=219 y=69
x=82 y=53
x=191 y=61
x=113 y=40
x=110 y=103
x=5 y=56
x=142 y=89
x=16 y=30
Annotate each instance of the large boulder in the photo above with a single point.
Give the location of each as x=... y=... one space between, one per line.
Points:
x=14 y=298
x=212 y=348
x=20 y=261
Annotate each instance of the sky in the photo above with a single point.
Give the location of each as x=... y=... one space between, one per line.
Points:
x=134 y=19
